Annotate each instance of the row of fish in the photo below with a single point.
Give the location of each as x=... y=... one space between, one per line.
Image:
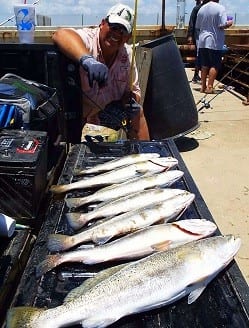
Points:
x=136 y=220
x=120 y=174
x=138 y=244
x=104 y=230
x=153 y=281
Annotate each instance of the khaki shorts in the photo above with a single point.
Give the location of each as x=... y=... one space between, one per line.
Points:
x=109 y=135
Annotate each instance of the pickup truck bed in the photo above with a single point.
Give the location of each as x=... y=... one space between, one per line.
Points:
x=224 y=303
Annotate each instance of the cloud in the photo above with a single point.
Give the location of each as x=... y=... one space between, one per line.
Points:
x=93 y=10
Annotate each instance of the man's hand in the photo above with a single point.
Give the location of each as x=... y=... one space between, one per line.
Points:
x=96 y=70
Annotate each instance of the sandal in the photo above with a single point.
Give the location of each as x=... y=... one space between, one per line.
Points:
x=209 y=90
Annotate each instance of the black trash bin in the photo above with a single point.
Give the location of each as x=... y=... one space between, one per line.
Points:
x=169 y=104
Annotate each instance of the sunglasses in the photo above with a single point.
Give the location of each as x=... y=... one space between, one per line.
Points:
x=117 y=28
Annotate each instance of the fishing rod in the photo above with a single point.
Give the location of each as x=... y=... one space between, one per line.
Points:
x=206 y=104
x=134 y=32
x=13 y=16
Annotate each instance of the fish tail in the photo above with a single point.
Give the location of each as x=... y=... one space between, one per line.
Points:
x=74 y=202
x=50 y=262
x=58 y=242
x=76 y=220
x=23 y=316
x=58 y=189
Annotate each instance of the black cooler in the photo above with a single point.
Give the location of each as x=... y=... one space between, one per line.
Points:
x=23 y=172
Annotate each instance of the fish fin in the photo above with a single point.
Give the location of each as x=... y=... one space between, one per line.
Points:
x=104 y=203
x=50 y=262
x=78 y=172
x=75 y=220
x=92 y=282
x=100 y=323
x=174 y=298
x=180 y=214
x=196 y=293
x=58 y=189
x=58 y=242
x=100 y=240
x=75 y=202
x=23 y=316
x=141 y=171
x=163 y=246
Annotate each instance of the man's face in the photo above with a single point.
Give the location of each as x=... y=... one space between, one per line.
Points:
x=112 y=36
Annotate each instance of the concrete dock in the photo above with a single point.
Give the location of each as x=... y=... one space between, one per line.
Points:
x=217 y=156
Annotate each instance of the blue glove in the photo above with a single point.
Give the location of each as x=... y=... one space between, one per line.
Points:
x=96 y=70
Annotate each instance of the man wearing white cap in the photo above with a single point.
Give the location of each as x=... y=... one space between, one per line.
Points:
x=110 y=98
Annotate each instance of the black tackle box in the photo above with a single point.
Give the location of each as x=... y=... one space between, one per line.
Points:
x=225 y=301
x=23 y=172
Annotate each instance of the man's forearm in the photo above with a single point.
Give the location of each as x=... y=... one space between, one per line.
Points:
x=139 y=128
x=70 y=43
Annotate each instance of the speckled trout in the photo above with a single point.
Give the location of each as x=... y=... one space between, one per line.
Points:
x=118 y=175
x=135 y=245
x=117 y=162
x=122 y=205
x=154 y=281
x=164 y=179
x=102 y=231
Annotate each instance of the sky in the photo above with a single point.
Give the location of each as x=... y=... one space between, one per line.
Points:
x=85 y=12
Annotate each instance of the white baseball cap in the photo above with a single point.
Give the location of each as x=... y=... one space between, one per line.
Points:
x=121 y=14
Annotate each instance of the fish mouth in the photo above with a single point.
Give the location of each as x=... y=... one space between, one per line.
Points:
x=235 y=243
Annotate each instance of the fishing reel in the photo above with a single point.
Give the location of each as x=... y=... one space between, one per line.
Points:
x=206 y=104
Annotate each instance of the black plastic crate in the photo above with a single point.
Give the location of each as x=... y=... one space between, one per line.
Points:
x=224 y=303
x=23 y=172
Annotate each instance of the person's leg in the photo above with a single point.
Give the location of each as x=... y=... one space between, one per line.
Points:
x=212 y=74
x=204 y=64
x=204 y=74
x=196 y=77
x=215 y=63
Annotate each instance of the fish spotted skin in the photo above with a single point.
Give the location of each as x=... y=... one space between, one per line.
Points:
x=164 y=179
x=122 y=205
x=138 y=244
x=103 y=230
x=154 y=281
x=119 y=174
